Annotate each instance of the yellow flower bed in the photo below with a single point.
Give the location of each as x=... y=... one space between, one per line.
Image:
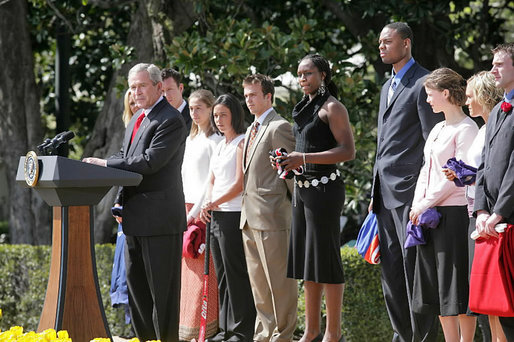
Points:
x=16 y=334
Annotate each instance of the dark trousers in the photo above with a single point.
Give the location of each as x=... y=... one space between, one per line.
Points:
x=398 y=276
x=508 y=327
x=236 y=306
x=153 y=279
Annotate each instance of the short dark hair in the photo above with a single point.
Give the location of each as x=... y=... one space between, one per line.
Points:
x=167 y=73
x=445 y=78
x=265 y=81
x=236 y=111
x=403 y=30
x=507 y=48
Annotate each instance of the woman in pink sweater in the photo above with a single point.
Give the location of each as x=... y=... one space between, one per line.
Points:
x=441 y=272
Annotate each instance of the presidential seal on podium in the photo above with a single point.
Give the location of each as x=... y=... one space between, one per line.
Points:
x=31 y=169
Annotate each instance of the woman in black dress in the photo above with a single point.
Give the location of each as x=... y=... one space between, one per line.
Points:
x=323 y=139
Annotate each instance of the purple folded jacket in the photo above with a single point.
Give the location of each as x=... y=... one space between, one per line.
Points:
x=429 y=219
x=466 y=174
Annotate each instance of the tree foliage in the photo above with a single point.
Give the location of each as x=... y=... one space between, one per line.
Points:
x=216 y=43
x=235 y=39
x=98 y=33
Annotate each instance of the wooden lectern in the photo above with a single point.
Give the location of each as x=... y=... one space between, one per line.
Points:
x=73 y=301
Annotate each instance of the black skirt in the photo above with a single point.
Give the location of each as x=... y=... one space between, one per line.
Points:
x=441 y=283
x=314 y=249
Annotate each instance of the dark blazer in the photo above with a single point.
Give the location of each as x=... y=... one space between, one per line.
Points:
x=403 y=127
x=156 y=205
x=187 y=117
x=495 y=179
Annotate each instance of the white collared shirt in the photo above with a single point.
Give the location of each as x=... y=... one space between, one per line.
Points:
x=148 y=110
x=263 y=116
x=182 y=106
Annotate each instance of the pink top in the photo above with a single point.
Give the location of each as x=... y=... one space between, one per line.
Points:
x=444 y=142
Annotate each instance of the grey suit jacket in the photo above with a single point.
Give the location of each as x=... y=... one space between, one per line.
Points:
x=266 y=205
x=495 y=180
x=156 y=205
x=403 y=127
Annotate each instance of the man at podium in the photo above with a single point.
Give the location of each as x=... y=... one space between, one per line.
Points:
x=154 y=216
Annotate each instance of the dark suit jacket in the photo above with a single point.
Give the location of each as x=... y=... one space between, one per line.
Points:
x=495 y=181
x=187 y=117
x=156 y=205
x=403 y=127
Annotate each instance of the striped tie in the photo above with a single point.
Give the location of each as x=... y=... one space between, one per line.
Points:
x=253 y=133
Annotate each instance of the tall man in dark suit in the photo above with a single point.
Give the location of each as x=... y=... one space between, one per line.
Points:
x=494 y=194
x=266 y=215
x=154 y=217
x=404 y=121
x=172 y=89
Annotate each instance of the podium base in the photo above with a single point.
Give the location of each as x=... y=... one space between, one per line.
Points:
x=73 y=301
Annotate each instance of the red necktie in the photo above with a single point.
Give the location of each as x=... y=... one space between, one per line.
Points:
x=137 y=125
x=253 y=133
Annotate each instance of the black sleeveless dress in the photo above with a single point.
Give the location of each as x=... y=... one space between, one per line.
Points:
x=314 y=250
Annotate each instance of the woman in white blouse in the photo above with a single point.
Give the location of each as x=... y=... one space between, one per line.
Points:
x=200 y=146
x=441 y=271
x=222 y=207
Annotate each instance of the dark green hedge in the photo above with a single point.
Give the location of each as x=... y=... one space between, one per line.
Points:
x=24 y=274
x=23 y=278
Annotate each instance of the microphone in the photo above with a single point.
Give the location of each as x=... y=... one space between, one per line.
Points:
x=51 y=146
x=62 y=138
x=41 y=147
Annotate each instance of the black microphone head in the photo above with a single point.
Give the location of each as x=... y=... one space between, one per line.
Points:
x=58 y=135
x=41 y=147
x=67 y=136
x=46 y=141
x=63 y=137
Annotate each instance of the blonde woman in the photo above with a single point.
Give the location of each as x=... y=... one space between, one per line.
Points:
x=129 y=107
x=481 y=96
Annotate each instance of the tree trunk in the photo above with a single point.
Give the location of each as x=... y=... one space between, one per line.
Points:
x=20 y=124
x=148 y=35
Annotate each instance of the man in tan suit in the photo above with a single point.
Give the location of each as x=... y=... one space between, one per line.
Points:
x=266 y=215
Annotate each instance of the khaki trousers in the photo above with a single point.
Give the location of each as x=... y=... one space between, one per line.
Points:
x=274 y=294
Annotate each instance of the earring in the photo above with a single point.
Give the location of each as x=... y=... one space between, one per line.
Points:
x=322 y=89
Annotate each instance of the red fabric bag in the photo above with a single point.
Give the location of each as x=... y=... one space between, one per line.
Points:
x=193 y=237
x=491 y=288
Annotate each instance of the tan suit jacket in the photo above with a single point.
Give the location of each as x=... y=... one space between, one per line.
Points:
x=265 y=224
x=266 y=205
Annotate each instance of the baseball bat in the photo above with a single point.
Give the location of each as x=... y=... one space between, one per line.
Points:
x=205 y=295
